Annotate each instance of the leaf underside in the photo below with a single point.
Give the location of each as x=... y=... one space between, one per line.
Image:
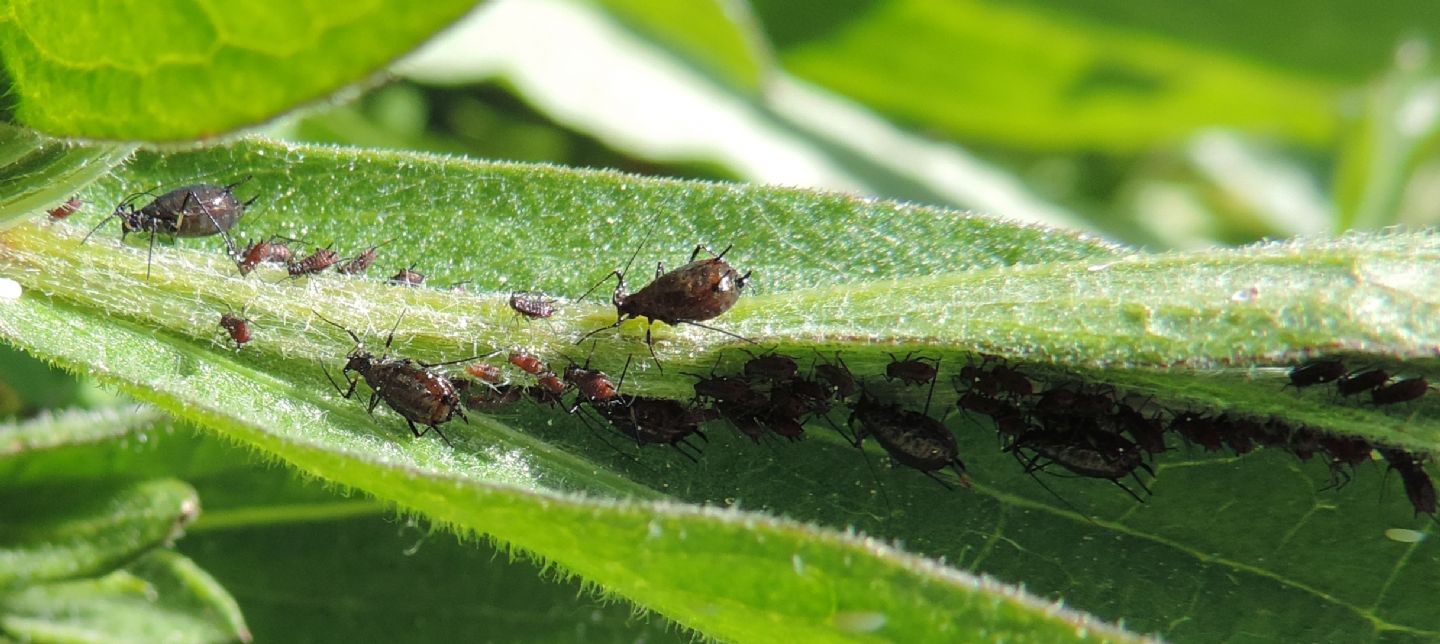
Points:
x=1213 y=330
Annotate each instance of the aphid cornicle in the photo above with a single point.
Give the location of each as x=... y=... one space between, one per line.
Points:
x=199 y=210
x=411 y=388
x=698 y=291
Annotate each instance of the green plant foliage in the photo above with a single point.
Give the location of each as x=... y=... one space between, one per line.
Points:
x=1050 y=80
x=181 y=69
x=944 y=282
x=162 y=597
x=63 y=532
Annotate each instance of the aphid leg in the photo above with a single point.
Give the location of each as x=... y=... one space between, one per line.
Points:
x=939 y=480
x=344 y=393
x=721 y=331
x=150 y=255
x=651 y=344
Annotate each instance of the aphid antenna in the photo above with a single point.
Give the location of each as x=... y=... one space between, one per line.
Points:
x=620 y=274
x=623 y=371
x=359 y=344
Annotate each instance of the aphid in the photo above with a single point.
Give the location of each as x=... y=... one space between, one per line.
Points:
x=360 y=262
x=1200 y=429
x=1056 y=402
x=1399 y=391
x=238 y=328
x=1009 y=419
x=1239 y=433
x=413 y=389
x=1316 y=372
x=656 y=421
x=771 y=367
x=316 y=262
x=527 y=363
x=533 y=306
x=1345 y=453
x=1360 y=382
x=594 y=386
x=485 y=372
x=70 y=207
x=551 y=383
x=264 y=251
x=1418 y=486
x=199 y=210
x=408 y=277
x=487 y=398
x=837 y=375
x=1094 y=454
x=698 y=291
x=916 y=371
x=1146 y=431
x=1011 y=381
x=911 y=438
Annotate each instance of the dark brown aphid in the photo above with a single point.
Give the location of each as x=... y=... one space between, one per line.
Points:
x=1011 y=381
x=70 y=207
x=1316 y=372
x=408 y=277
x=360 y=262
x=911 y=438
x=270 y=250
x=656 y=421
x=771 y=367
x=1094 y=454
x=1009 y=419
x=533 y=306
x=527 y=363
x=316 y=262
x=238 y=328
x=485 y=372
x=912 y=371
x=199 y=210
x=413 y=389
x=1361 y=382
x=1147 y=431
x=1239 y=433
x=698 y=291
x=1400 y=391
x=1345 y=453
x=1418 y=486
x=837 y=375
x=1199 y=429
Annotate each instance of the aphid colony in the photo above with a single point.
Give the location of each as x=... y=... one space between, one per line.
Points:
x=1088 y=430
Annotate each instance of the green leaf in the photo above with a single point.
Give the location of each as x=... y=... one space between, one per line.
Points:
x=56 y=432
x=77 y=530
x=101 y=72
x=1025 y=75
x=163 y=597
x=38 y=173
x=868 y=277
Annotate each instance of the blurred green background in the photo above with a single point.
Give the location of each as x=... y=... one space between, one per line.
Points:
x=1164 y=125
